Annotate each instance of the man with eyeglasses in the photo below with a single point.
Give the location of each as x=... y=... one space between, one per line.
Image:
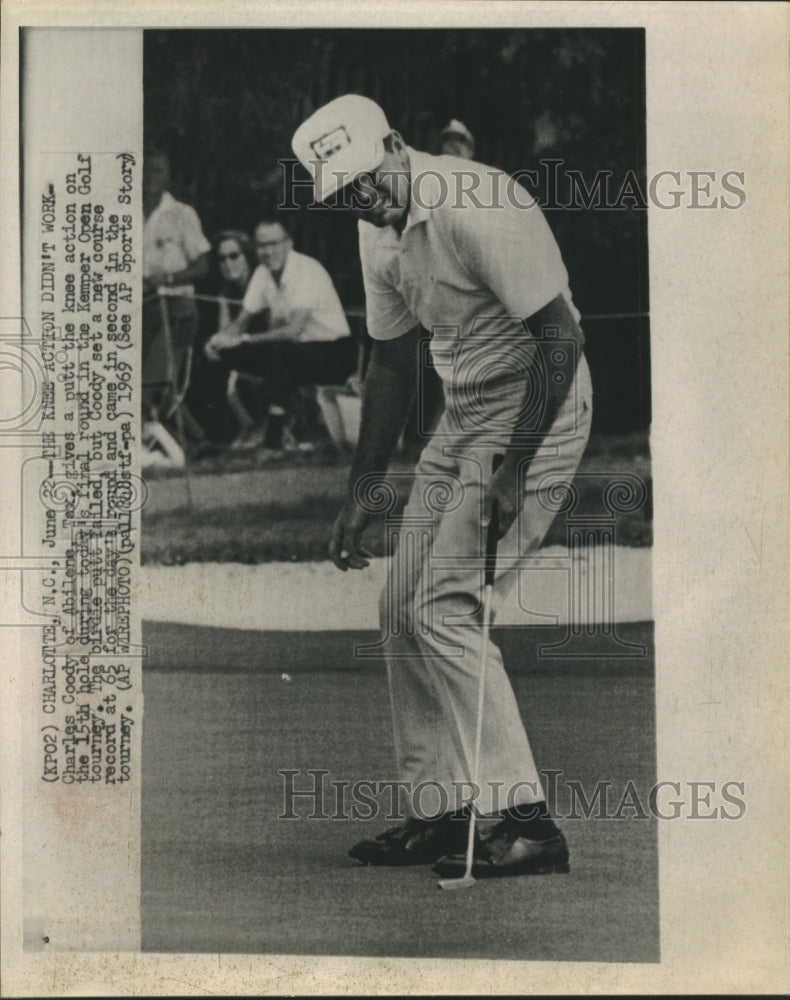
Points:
x=307 y=340
x=464 y=252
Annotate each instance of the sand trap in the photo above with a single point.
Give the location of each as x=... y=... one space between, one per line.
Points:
x=606 y=585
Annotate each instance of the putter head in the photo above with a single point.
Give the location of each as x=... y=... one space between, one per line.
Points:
x=466 y=882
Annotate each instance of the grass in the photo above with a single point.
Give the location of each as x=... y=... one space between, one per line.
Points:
x=222 y=873
x=293 y=522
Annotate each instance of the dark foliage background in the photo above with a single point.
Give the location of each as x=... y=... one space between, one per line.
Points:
x=225 y=103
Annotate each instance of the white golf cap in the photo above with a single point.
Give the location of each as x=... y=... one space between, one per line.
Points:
x=340 y=141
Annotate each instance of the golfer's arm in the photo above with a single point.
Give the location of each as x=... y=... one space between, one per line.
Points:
x=388 y=394
x=559 y=366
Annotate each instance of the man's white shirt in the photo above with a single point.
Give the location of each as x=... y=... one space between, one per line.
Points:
x=172 y=239
x=304 y=284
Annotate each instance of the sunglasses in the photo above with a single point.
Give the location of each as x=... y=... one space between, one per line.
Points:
x=228 y=256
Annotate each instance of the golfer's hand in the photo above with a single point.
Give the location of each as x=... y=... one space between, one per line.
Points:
x=504 y=489
x=345 y=547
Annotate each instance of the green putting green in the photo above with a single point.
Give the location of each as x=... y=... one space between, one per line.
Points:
x=222 y=873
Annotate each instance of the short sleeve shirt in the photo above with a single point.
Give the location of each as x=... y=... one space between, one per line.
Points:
x=172 y=238
x=475 y=259
x=304 y=284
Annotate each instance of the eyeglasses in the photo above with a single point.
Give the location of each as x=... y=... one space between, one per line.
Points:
x=228 y=256
x=270 y=243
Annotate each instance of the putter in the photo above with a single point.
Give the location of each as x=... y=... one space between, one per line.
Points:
x=467 y=880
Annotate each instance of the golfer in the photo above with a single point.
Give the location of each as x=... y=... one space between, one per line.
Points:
x=462 y=251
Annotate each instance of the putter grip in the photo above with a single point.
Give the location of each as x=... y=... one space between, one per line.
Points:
x=492 y=532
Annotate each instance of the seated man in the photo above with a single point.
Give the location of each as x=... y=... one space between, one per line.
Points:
x=307 y=342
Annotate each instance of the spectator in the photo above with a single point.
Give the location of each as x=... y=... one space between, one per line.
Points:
x=175 y=256
x=236 y=261
x=307 y=339
x=455 y=139
x=213 y=396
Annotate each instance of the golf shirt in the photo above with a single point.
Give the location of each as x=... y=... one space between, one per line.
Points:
x=172 y=239
x=475 y=259
x=304 y=284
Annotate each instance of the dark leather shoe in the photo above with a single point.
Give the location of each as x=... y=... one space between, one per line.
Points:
x=505 y=852
x=417 y=842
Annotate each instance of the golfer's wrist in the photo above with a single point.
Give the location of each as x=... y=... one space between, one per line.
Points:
x=366 y=488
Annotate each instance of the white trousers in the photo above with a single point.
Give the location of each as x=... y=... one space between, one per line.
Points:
x=431 y=605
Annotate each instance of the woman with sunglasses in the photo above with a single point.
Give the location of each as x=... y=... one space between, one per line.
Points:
x=214 y=395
